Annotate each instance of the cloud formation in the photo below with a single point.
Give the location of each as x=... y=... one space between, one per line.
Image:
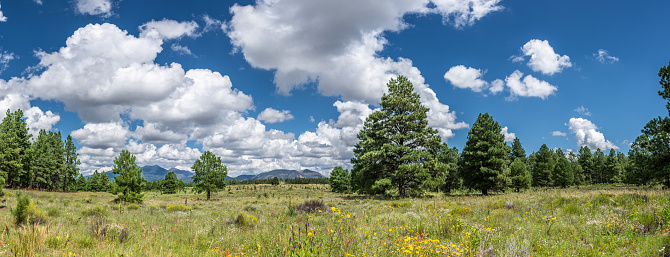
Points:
x=604 y=57
x=93 y=7
x=168 y=29
x=270 y=115
x=542 y=57
x=587 y=134
x=509 y=137
x=528 y=87
x=3 y=18
x=466 y=77
x=558 y=133
x=583 y=111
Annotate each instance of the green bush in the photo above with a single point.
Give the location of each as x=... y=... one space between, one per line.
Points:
x=245 y=220
x=133 y=207
x=20 y=212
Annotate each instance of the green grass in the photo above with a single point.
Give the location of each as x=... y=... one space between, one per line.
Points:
x=264 y=220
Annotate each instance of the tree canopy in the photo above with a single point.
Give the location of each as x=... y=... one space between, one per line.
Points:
x=129 y=179
x=484 y=154
x=209 y=174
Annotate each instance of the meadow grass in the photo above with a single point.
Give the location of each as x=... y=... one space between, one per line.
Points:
x=309 y=220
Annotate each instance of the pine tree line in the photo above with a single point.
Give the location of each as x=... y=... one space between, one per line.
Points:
x=48 y=163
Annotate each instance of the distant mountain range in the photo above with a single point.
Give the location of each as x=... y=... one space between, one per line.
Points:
x=155 y=172
x=282 y=174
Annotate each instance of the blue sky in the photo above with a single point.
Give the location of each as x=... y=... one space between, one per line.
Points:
x=288 y=83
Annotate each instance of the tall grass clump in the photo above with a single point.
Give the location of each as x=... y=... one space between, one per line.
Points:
x=311 y=206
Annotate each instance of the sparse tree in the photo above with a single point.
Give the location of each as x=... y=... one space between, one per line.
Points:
x=209 y=174
x=340 y=180
x=484 y=155
x=129 y=179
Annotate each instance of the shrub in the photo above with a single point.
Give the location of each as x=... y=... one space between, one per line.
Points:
x=20 y=212
x=245 y=220
x=312 y=206
x=53 y=212
x=66 y=202
x=133 y=207
x=249 y=208
x=178 y=207
x=98 y=211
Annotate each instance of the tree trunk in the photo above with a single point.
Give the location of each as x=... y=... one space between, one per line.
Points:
x=485 y=191
x=208 y=194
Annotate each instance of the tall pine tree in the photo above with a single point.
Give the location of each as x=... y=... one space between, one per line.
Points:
x=14 y=150
x=129 y=179
x=543 y=167
x=484 y=154
x=396 y=148
x=209 y=174
x=71 y=162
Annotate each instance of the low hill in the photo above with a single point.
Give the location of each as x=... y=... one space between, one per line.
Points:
x=284 y=174
x=155 y=172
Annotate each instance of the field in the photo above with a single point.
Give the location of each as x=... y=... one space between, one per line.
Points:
x=265 y=220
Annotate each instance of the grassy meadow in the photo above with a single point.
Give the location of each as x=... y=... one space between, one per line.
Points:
x=265 y=220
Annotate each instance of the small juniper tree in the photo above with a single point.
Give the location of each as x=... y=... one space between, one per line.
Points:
x=209 y=174
x=129 y=179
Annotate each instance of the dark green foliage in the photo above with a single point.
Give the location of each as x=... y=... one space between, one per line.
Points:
x=275 y=181
x=81 y=184
x=449 y=157
x=664 y=73
x=517 y=151
x=20 y=212
x=71 y=161
x=613 y=169
x=340 y=180
x=577 y=171
x=129 y=179
x=484 y=155
x=14 y=150
x=48 y=161
x=598 y=172
x=586 y=161
x=396 y=148
x=170 y=183
x=519 y=175
x=543 y=165
x=209 y=174
x=99 y=182
x=562 y=175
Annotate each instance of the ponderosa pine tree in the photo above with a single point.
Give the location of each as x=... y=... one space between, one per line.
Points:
x=14 y=150
x=577 y=170
x=517 y=151
x=519 y=175
x=340 y=180
x=209 y=174
x=395 y=151
x=543 y=166
x=484 y=154
x=81 y=183
x=586 y=161
x=129 y=178
x=651 y=150
x=598 y=167
x=170 y=183
x=449 y=157
x=562 y=174
x=70 y=169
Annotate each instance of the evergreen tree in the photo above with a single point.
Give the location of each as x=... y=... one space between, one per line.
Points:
x=340 y=180
x=450 y=158
x=517 y=151
x=612 y=168
x=484 y=155
x=543 y=166
x=586 y=161
x=519 y=175
x=81 y=183
x=14 y=150
x=129 y=178
x=579 y=178
x=598 y=167
x=275 y=181
x=396 y=145
x=71 y=169
x=563 y=175
x=170 y=183
x=209 y=174
x=650 y=152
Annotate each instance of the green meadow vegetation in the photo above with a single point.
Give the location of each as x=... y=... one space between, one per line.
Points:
x=310 y=220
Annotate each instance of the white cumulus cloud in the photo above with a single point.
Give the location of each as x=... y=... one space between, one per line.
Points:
x=528 y=87
x=101 y=135
x=604 y=57
x=270 y=115
x=168 y=29
x=466 y=77
x=587 y=134
x=543 y=58
x=94 y=7
x=36 y=119
x=3 y=18
x=558 y=133
x=583 y=110
x=509 y=137
x=466 y=13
